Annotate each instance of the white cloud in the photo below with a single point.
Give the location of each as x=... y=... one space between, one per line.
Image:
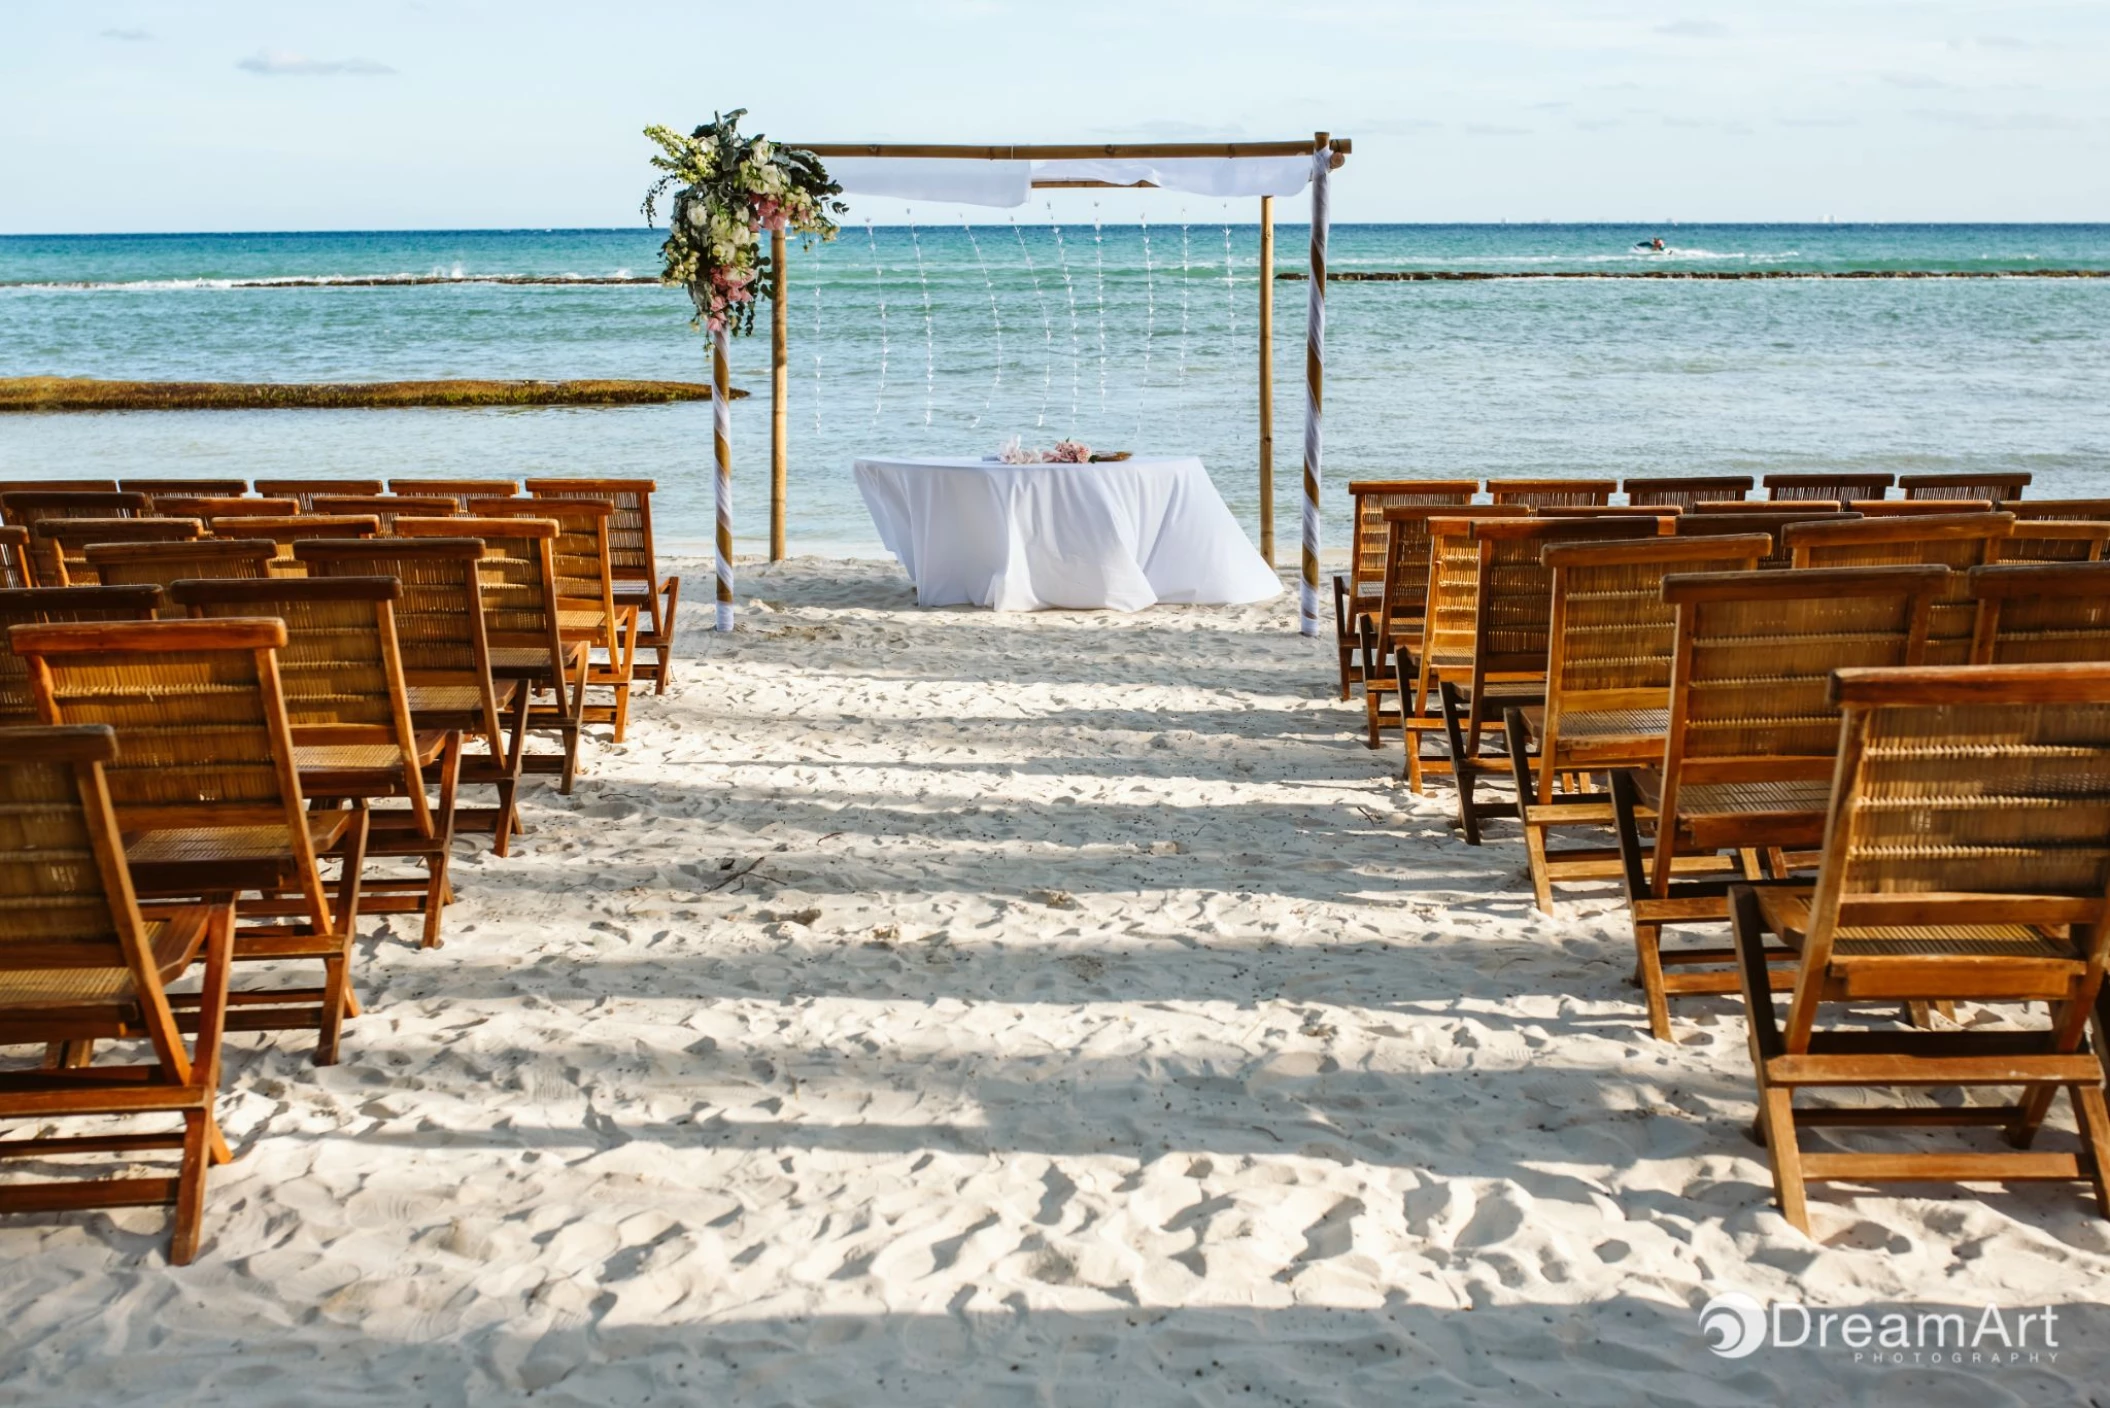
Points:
x=132 y=36
x=1693 y=29
x=277 y=63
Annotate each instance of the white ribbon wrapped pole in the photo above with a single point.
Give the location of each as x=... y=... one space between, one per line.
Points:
x=1314 y=377
x=722 y=443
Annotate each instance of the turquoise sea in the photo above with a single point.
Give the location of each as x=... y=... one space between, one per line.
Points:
x=950 y=339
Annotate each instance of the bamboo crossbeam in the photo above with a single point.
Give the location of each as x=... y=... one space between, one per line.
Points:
x=1341 y=147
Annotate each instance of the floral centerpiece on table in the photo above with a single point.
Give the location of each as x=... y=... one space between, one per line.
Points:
x=730 y=188
x=1064 y=452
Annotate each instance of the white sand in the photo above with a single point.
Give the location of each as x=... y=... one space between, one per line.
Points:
x=939 y=1007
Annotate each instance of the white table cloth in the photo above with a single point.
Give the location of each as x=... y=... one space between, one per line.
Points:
x=1031 y=537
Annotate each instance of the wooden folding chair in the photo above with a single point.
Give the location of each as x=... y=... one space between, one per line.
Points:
x=440 y=632
x=16 y=569
x=1748 y=751
x=208 y=796
x=206 y=507
x=1683 y=491
x=386 y=508
x=1996 y=485
x=586 y=606
x=1765 y=518
x=1840 y=486
x=204 y=488
x=158 y=564
x=67 y=540
x=1966 y=859
x=27 y=508
x=1504 y=663
x=304 y=491
x=1548 y=493
x=459 y=490
x=1956 y=541
x=1607 y=687
x=1391 y=636
x=37 y=605
x=1447 y=617
x=633 y=561
x=82 y=963
x=2055 y=540
x=282 y=532
x=2041 y=614
x=348 y=706
x=522 y=634
x=1357 y=592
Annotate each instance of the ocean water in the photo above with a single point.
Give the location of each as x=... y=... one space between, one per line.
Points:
x=951 y=339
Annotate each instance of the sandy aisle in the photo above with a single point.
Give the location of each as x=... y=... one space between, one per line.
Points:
x=943 y=1007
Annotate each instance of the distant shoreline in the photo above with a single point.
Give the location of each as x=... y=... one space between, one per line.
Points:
x=1422 y=276
x=50 y=393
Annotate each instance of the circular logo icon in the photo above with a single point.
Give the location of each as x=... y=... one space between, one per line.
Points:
x=1734 y=1324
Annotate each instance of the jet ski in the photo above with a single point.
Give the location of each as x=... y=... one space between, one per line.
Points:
x=1652 y=246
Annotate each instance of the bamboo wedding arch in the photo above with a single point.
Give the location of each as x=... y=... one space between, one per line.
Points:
x=1326 y=154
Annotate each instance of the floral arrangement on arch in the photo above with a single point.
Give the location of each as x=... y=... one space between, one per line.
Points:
x=730 y=188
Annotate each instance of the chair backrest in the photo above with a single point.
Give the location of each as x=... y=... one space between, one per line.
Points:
x=632 y=554
x=283 y=531
x=27 y=508
x=1956 y=541
x=126 y=564
x=459 y=490
x=1763 y=518
x=384 y=508
x=30 y=486
x=68 y=539
x=1735 y=506
x=1905 y=508
x=2090 y=510
x=37 y=605
x=1405 y=584
x=1754 y=657
x=1683 y=491
x=519 y=584
x=439 y=614
x=1609 y=510
x=1612 y=634
x=1963 y=798
x=1513 y=597
x=1543 y=493
x=1994 y=484
x=16 y=569
x=340 y=671
x=2055 y=540
x=304 y=491
x=585 y=573
x=209 y=506
x=2041 y=613
x=67 y=908
x=207 y=744
x=1841 y=487
x=1450 y=614
x=1368 y=499
x=204 y=488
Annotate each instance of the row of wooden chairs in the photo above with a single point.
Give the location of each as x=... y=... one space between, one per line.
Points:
x=1885 y=770
x=281 y=509
x=224 y=734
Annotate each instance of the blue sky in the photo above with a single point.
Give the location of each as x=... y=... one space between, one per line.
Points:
x=136 y=115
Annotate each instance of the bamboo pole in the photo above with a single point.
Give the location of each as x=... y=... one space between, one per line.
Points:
x=722 y=445
x=779 y=393
x=1314 y=389
x=1267 y=379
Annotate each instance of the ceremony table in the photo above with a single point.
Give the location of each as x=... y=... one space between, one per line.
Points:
x=1122 y=535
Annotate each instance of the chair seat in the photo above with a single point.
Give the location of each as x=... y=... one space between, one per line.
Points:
x=1784 y=813
x=1604 y=727
x=347 y=757
x=444 y=699
x=1787 y=913
x=174 y=942
x=531 y=661
x=204 y=845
